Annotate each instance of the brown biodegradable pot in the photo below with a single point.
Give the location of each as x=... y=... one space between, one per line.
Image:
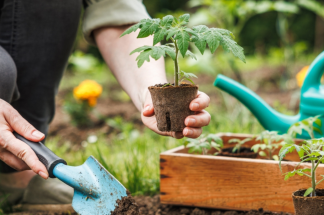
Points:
x=171 y=105
x=245 y=152
x=308 y=205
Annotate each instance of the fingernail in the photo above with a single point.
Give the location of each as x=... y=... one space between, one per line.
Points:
x=188 y=132
x=147 y=108
x=195 y=106
x=43 y=174
x=38 y=134
x=190 y=121
x=178 y=135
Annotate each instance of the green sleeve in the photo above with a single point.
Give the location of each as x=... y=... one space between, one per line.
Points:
x=100 y=13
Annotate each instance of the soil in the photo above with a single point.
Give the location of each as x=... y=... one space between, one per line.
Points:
x=126 y=206
x=152 y=206
x=308 y=205
x=146 y=205
x=171 y=105
x=245 y=152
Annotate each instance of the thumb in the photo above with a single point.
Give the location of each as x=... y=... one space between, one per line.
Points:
x=148 y=110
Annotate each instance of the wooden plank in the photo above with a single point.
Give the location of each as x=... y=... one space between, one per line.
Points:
x=228 y=183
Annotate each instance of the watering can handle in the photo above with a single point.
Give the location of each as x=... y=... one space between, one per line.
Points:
x=44 y=154
x=315 y=73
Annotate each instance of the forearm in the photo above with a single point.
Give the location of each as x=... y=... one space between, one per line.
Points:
x=115 y=51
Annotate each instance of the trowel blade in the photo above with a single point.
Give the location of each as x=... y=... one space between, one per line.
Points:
x=95 y=189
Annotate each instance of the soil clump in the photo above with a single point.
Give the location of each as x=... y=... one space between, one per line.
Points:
x=126 y=206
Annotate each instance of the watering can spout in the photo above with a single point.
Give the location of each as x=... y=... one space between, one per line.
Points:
x=267 y=116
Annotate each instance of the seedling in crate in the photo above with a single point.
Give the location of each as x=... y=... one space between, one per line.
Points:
x=204 y=144
x=308 y=125
x=309 y=151
x=171 y=113
x=239 y=143
x=270 y=141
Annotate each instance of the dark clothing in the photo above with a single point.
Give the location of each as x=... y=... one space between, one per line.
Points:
x=36 y=37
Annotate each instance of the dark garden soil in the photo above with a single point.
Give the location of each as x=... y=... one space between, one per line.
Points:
x=171 y=105
x=152 y=206
x=245 y=152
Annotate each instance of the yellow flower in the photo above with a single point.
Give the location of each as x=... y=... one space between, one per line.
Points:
x=88 y=90
x=301 y=75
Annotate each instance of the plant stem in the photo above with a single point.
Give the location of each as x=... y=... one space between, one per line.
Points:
x=313 y=179
x=176 y=65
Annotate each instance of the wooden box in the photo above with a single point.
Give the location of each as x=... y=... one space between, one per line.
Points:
x=229 y=183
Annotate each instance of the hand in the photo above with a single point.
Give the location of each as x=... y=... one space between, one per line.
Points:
x=14 y=152
x=194 y=123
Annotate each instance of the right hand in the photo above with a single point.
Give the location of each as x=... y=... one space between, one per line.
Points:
x=14 y=152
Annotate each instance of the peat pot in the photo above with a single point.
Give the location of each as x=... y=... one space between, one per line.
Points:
x=308 y=205
x=231 y=183
x=171 y=105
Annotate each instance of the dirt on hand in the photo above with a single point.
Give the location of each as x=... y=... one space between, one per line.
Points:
x=126 y=206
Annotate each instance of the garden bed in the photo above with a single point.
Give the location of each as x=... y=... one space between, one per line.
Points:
x=229 y=183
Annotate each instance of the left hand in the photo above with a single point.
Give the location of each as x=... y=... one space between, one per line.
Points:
x=194 y=123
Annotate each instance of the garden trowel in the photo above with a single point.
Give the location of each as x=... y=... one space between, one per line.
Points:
x=95 y=189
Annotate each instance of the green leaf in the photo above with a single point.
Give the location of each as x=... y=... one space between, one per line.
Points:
x=213 y=37
x=262 y=153
x=308 y=191
x=190 y=54
x=317 y=130
x=230 y=45
x=167 y=21
x=131 y=29
x=148 y=28
x=200 y=42
x=184 y=19
x=275 y=157
x=143 y=56
x=157 y=52
x=171 y=32
x=190 y=31
x=234 y=140
x=159 y=35
x=191 y=75
x=169 y=51
x=139 y=49
x=182 y=38
x=188 y=79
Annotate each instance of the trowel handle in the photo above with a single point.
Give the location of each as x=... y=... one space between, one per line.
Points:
x=44 y=154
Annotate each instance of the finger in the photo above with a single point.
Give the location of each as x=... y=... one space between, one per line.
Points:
x=13 y=161
x=192 y=132
x=199 y=103
x=21 y=126
x=199 y=120
x=21 y=150
x=148 y=110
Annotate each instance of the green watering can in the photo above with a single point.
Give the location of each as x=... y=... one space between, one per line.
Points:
x=311 y=100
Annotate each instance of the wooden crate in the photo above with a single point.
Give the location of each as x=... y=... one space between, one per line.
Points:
x=229 y=183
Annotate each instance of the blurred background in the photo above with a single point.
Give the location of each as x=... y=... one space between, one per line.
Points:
x=279 y=39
